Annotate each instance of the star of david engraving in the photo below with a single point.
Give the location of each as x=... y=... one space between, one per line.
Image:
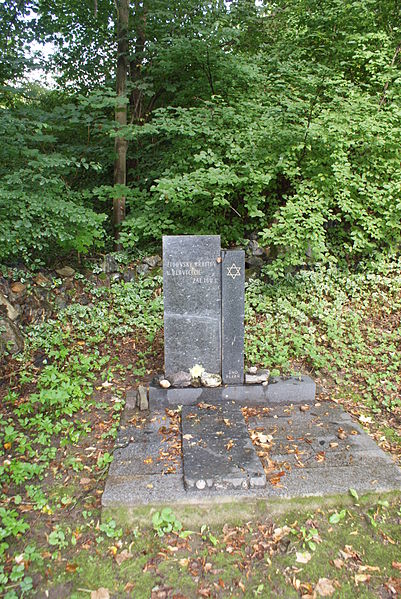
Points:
x=233 y=271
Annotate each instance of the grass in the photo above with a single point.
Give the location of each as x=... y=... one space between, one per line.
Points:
x=262 y=557
x=61 y=404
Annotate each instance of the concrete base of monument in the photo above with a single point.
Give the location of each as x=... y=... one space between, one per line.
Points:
x=297 y=389
x=199 y=461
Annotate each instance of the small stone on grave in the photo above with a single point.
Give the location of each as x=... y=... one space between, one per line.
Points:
x=210 y=380
x=142 y=398
x=180 y=379
x=261 y=376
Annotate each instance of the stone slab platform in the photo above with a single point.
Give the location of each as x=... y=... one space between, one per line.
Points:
x=317 y=452
x=217 y=449
x=291 y=390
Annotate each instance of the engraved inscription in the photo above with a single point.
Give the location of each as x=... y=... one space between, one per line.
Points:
x=233 y=374
x=193 y=269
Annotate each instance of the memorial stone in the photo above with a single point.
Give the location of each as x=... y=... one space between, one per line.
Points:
x=192 y=302
x=204 y=326
x=233 y=283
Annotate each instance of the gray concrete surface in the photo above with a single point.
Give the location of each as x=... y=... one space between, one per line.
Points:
x=318 y=452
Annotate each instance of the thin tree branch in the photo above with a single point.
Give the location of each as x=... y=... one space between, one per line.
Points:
x=383 y=98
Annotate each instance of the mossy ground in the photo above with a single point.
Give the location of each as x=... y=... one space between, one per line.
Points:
x=359 y=555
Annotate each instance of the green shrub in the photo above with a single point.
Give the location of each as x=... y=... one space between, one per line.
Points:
x=41 y=215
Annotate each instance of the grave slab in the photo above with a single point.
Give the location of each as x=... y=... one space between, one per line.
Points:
x=217 y=450
x=141 y=432
x=226 y=421
x=136 y=460
x=357 y=462
x=335 y=480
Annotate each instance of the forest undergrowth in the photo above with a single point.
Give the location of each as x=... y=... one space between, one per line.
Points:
x=61 y=402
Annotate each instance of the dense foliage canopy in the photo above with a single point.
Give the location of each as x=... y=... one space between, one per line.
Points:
x=277 y=117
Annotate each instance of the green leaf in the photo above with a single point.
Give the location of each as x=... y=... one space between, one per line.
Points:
x=354 y=494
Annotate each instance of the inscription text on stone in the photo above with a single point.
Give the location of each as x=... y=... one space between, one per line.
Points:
x=191 y=269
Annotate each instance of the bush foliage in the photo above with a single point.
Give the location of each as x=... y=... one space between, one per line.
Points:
x=281 y=119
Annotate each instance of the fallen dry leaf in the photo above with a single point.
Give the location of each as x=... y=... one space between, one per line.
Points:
x=279 y=533
x=303 y=557
x=341 y=434
x=122 y=556
x=367 y=568
x=394 y=586
x=387 y=538
x=128 y=587
x=71 y=567
x=338 y=563
x=361 y=578
x=396 y=565
x=260 y=438
x=275 y=479
x=101 y=593
x=349 y=553
x=324 y=587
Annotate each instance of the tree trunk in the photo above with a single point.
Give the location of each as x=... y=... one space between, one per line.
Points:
x=136 y=97
x=121 y=144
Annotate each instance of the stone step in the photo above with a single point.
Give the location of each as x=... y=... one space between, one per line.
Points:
x=291 y=390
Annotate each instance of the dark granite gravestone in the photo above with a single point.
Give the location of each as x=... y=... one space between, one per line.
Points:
x=232 y=316
x=192 y=302
x=204 y=325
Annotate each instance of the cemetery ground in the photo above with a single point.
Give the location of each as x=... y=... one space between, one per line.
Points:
x=61 y=404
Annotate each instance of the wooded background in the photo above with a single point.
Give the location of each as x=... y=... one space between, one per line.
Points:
x=201 y=117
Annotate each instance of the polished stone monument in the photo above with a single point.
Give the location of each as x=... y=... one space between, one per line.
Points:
x=203 y=288
x=232 y=316
x=203 y=306
x=192 y=302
